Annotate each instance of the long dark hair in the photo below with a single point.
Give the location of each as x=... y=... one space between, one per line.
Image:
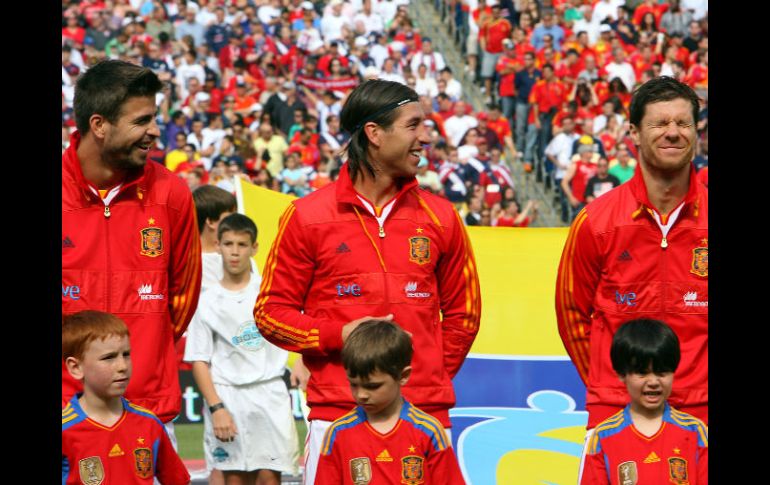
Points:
x=375 y=100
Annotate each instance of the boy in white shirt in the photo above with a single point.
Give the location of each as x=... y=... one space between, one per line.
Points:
x=248 y=424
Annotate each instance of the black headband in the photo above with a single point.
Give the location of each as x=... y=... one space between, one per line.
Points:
x=382 y=111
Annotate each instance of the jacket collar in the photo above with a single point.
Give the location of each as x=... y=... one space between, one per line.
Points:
x=346 y=193
x=639 y=190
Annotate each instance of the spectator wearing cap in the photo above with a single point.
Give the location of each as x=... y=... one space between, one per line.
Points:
x=434 y=61
x=370 y=20
x=603 y=46
x=491 y=35
x=359 y=56
x=332 y=22
x=306 y=18
x=588 y=138
x=190 y=26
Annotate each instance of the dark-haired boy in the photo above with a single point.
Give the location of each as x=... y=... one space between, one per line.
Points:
x=648 y=441
x=248 y=424
x=105 y=438
x=385 y=439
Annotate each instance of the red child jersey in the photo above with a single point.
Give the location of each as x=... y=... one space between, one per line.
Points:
x=415 y=451
x=618 y=453
x=134 y=450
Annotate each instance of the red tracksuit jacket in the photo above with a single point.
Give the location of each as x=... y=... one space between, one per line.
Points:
x=142 y=263
x=614 y=269
x=329 y=266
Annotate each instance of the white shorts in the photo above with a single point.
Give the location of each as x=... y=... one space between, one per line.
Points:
x=266 y=436
x=313 y=442
x=589 y=435
x=472 y=44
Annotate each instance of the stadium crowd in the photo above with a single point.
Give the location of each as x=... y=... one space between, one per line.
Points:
x=253 y=88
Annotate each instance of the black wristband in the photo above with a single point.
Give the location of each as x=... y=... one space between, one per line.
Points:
x=216 y=407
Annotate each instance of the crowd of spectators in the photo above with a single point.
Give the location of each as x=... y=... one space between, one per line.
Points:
x=253 y=88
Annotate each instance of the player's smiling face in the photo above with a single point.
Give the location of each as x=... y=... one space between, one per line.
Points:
x=378 y=393
x=127 y=142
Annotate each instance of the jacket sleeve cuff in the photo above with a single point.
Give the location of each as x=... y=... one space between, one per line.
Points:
x=330 y=336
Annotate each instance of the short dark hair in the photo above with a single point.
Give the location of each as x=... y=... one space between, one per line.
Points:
x=236 y=222
x=106 y=86
x=377 y=345
x=643 y=344
x=663 y=88
x=376 y=100
x=210 y=202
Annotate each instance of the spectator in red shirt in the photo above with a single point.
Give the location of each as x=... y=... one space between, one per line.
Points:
x=73 y=30
x=309 y=154
x=507 y=66
x=491 y=35
x=547 y=96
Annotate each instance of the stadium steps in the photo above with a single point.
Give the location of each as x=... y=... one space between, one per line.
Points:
x=434 y=20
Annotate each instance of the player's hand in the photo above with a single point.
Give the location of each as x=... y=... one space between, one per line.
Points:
x=224 y=426
x=350 y=326
x=299 y=375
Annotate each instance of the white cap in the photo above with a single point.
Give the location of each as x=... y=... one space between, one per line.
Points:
x=361 y=42
x=605 y=28
x=335 y=2
x=371 y=71
x=202 y=96
x=306 y=5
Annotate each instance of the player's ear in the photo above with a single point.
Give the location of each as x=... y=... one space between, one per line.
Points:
x=74 y=368
x=405 y=374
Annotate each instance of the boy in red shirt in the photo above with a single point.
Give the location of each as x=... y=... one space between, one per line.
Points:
x=106 y=439
x=648 y=441
x=385 y=439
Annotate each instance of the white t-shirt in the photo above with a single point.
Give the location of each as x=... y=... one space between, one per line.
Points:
x=455 y=127
x=223 y=333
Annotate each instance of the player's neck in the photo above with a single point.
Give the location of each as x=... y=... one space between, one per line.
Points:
x=664 y=190
x=379 y=190
x=235 y=282
x=386 y=420
x=95 y=171
x=105 y=411
x=646 y=421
